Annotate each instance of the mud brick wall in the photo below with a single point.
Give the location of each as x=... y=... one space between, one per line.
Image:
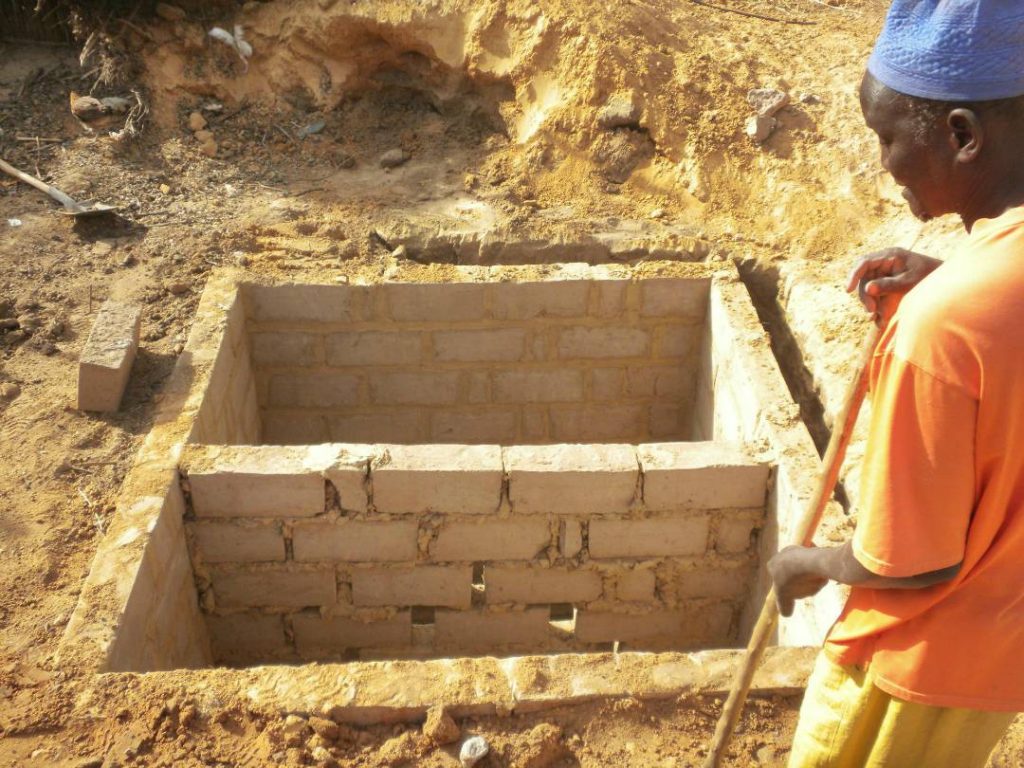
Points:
x=161 y=626
x=556 y=361
x=341 y=551
x=230 y=411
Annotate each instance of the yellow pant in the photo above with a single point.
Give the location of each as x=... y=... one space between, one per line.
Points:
x=846 y=722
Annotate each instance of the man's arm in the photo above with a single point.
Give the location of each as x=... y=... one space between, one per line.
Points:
x=802 y=571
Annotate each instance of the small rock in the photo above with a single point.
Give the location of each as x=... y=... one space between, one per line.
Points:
x=165 y=189
x=29 y=322
x=9 y=390
x=90 y=762
x=242 y=260
x=204 y=136
x=439 y=727
x=810 y=98
x=323 y=757
x=169 y=12
x=622 y=110
x=766 y=756
x=128 y=261
x=8 y=324
x=759 y=127
x=324 y=728
x=293 y=724
x=55 y=328
x=394 y=158
x=767 y=101
x=177 y=288
x=196 y=122
x=401 y=252
x=474 y=749
x=657 y=213
x=208 y=148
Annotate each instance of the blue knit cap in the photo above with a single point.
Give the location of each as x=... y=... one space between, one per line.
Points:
x=952 y=50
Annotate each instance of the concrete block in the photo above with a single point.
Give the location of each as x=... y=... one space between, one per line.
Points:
x=538 y=386
x=664 y=382
x=355 y=541
x=610 y=297
x=414 y=388
x=474 y=427
x=701 y=476
x=393 y=425
x=478 y=387
x=606 y=383
x=541 y=585
x=314 y=390
x=675 y=297
x=677 y=341
x=525 y=301
x=571 y=479
x=487 y=630
x=451 y=479
x=295 y=428
x=360 y=348
x=653 y=537
x=348 y=470
x=245 y=638
x=274 y=588
x=449 y=586
x=490 y=345
x=234 y=543
x=731 y=581
x=255 y=481
x=285 y=349
x=304 y=303
x=434 y=302
x=599 y=343
x=570 y=538
x=734 y=534
x=317 y=636
x=490 y=539
x=635 y=586
x=669 y=421
x=598 y=423
x=107 y=358
x=605 y=627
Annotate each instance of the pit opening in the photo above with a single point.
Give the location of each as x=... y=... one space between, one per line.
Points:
x=600 y=459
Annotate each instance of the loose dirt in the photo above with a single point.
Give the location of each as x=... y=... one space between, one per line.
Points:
x=496 y=104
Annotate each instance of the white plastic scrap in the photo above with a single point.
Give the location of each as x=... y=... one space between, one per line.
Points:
x=236 y=41
x=474 y=749
x=14 y=222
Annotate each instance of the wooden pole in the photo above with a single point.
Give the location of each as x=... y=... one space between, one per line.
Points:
x=808 y=524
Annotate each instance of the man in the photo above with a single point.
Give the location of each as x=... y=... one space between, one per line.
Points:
x=923 y=668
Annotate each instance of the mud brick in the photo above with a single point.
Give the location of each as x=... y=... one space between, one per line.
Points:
x=701 y=476
x=541 y=585
x=355 y=541
x=654 y=537
x=449 y=586
x=106 y=361
x=453 y=479
x=571 y=479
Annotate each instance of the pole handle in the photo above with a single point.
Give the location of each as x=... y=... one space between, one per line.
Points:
x=832 y=463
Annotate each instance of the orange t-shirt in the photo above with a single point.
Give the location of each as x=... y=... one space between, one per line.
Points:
x=943 y=483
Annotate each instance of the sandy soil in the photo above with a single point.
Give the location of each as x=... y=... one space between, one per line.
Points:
x=497 y=104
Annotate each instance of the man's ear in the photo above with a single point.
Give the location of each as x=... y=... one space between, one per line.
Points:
x=966 y=136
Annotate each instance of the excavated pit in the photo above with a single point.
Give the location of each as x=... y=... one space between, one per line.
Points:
x=599 y=459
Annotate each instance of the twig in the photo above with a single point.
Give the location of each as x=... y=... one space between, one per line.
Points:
x=218 y=119
x=38 y=139
x=801 y=22
x=841 y=8
x=142 y=32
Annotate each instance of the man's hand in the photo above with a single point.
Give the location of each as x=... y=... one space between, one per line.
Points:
x=795 y=574
x=885 y=276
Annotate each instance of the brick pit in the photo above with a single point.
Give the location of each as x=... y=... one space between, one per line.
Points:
x=493 y=466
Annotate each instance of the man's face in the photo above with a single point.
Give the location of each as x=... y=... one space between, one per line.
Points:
x=915 y=149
